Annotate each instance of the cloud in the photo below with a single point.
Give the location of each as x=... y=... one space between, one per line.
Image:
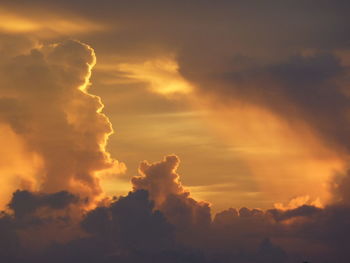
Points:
x=46 y=25
x=9 y=241
x=161 y=180
x=304 y=210
x=133 y=228
x=300 y=87
x=136 y=224
x=214 y=45
x=44 y=99
x=128 y=230
x=300 y=233
x=24 y=202
x=293 y=105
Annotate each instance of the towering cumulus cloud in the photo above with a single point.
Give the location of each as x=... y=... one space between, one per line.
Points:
x=162 y=182
x=45 y=102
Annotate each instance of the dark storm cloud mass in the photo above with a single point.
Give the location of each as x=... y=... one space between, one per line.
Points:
x=310 y=88
x=132 y=229
x=25 y=202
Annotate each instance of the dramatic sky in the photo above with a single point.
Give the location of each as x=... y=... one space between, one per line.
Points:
x=174 y=131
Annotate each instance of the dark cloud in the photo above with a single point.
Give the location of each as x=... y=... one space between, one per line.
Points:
x=269 y=252
x=245 y=235
x=304 y=211
x=137 y=225
x=128 y=230
x=9 y=241
x=307 y=88
x=24 y=202
x=133 y=228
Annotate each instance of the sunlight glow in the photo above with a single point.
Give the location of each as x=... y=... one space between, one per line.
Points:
x=45 y=25
x=286 y=159
x=161 y=73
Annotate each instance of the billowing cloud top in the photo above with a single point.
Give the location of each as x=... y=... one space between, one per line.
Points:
x=44 y=100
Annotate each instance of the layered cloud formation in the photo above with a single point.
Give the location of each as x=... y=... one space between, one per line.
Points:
x=285 y=62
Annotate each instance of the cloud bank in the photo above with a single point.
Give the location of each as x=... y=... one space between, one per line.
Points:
x=140 y=228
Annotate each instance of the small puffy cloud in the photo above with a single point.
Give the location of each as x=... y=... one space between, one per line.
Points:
x=162 y=182
x=159 y=178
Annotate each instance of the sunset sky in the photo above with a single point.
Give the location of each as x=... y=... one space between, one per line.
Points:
x=221 y=105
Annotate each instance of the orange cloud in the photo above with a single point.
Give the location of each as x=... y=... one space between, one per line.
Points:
x=45 y=102
x=161 y=73
x=19 y=167
x=45 y=25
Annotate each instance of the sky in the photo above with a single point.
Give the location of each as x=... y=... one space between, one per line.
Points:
x=142 y=128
